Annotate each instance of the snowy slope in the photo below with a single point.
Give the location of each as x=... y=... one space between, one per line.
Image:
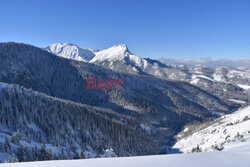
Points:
x=229 y=132
x=71 y=51
x=218 y=159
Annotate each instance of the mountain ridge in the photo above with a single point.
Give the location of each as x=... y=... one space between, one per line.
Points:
x=71 y=51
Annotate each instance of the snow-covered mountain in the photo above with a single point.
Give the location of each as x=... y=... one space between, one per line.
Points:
x=119 y=58
x=229 y=132
x=71 y=51
x=223 y=81
x=117 y=52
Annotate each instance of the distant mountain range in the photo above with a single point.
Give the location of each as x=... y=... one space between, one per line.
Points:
x=78 y=53
x=237 y=63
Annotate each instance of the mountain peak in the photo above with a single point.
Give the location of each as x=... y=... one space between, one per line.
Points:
x=121 y=47
x=65 y=44
x=71 y=51
x=116 y=52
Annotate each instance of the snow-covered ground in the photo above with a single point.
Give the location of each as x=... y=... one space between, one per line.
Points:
x=230 y=132
x=216 y=159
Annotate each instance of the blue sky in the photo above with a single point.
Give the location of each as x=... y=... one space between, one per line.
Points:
x=179 y=29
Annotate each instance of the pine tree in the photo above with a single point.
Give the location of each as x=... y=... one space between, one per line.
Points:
x=68 y=154
x=42 y=155
x=48 y=154
x=2 y=147
x=12 y=158
x=81 y=155
x=16 y=137
x=36 y=155
x=63 y=154
x=21 y=154
x=27 y=153
x=32 y=153
x=7 y=145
